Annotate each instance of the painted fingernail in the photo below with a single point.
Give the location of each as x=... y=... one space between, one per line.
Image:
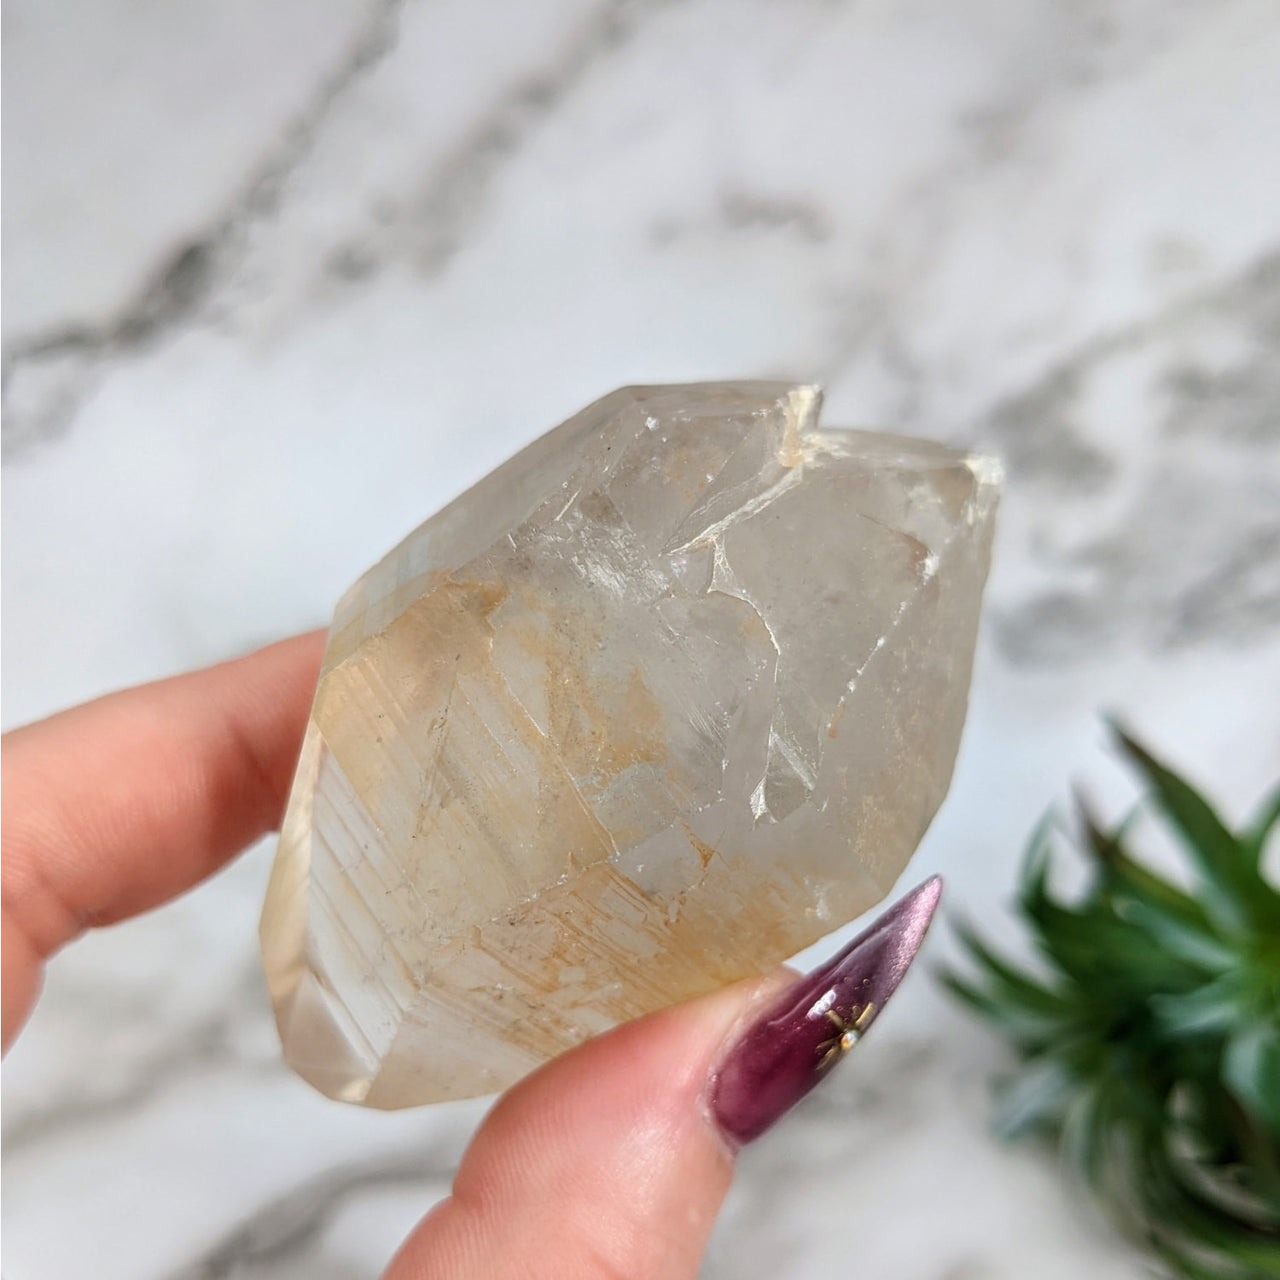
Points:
x=811 y=1026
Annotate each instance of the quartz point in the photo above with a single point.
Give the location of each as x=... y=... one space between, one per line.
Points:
x=669 y=695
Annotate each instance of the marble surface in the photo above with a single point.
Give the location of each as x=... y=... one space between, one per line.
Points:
x=281 y=278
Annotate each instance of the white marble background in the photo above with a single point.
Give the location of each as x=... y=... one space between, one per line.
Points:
x=280 y=277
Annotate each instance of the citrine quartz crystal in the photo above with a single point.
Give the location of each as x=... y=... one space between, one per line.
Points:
x=665 y=698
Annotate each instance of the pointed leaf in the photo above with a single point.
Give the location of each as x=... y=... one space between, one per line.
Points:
x=1017 y=986
x=1232 y=884
x=1132 y=877
x=1254 y=840
x=1033 y=875
x=1027 y=1029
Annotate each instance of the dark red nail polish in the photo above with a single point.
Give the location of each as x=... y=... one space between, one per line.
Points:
x=805 y=1033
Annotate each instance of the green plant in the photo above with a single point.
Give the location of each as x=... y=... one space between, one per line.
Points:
x=1149 y=1045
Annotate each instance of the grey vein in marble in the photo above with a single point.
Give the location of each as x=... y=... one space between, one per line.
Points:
x=210 y=1041
x=1195 y=555
x=44 y=375
x=283 y=1232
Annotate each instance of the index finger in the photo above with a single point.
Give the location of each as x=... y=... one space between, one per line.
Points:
x=118 y=805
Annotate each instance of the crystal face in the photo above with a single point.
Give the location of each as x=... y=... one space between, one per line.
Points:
x=666 y=697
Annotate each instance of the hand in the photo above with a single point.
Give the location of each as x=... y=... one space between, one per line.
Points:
x=610 y=1161
x=601 y=1164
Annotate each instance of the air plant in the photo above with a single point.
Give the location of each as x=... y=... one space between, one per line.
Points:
x=1149 y=1036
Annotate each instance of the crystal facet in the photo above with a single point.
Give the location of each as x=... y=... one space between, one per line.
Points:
x=662 y=700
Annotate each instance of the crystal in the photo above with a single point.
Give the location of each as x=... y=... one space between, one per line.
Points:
x=669 y=695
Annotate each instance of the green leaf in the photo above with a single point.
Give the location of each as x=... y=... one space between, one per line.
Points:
x=1106 y=956
x=1027 y=1029
x=1033 y=874
x=1254 y=840
x=1034 y=1098
x=1251 y=1070
x=1212 y=1008
x=1085 y=1129
x=1235 y=892
x=1172 y=931
x=1182 y=1219
x=1020 y=988
x=1123 y=876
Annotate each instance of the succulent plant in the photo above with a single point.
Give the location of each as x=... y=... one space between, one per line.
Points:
x=1149 y=1037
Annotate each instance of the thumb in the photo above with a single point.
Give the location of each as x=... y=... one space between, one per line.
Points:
x=600 y=1164
x=612 y=1161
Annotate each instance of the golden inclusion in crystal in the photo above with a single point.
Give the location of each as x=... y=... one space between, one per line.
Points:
x=666 y=697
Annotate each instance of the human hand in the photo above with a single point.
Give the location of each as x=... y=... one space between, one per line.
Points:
x=610 y=1161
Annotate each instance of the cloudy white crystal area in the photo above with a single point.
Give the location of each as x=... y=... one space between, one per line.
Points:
x=665 y=698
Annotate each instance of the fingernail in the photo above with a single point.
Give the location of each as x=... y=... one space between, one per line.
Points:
x=814 y=1023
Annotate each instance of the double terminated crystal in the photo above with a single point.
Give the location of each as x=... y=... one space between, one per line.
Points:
x=665 y=698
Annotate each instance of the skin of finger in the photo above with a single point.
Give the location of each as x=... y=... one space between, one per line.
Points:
x=120 y=804
x=601 y=1164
